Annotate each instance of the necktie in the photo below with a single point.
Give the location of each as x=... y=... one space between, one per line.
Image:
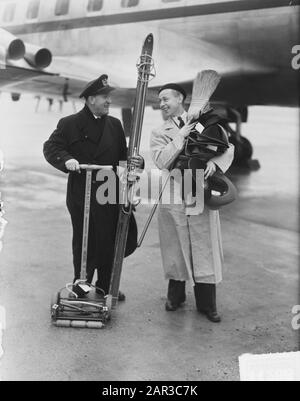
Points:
x=181 y=122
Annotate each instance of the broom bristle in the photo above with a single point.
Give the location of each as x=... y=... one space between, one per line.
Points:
x=205 y=85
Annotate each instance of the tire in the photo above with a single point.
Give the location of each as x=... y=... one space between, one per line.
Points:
x=247 y=149
x=243 y=151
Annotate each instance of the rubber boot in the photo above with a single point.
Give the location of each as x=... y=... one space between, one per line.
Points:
x=205 y=296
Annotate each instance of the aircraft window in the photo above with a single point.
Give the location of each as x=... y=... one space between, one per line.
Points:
x=9 y=12
x=62 y=7
x=95 y=5
x=33 y=9
x=129 y=3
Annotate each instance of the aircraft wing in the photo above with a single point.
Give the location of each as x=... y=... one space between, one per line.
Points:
x=64 y=79
x=238 y=88
x=19 y=77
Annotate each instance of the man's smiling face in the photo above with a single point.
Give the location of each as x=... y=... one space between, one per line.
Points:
x=171 y=102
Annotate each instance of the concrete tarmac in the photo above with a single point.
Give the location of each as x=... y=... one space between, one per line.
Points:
x=143 y=341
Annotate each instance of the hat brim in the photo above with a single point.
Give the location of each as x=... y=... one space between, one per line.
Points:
x=103 y=91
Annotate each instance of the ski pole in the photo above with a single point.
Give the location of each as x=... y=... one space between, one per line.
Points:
x=153 y=212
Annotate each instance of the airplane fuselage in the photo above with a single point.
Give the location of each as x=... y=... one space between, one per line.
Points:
x=240 y=36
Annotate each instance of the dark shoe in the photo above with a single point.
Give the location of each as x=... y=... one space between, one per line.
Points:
x=121 y=297
x=79 y=292
x=170 y=307
x=213 y=316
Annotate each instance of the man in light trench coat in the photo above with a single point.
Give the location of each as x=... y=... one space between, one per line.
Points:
x=190 y=245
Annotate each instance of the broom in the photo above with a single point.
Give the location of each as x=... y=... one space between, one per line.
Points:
x=205 y=85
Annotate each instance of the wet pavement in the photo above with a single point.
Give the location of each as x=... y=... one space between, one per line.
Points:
x=143 y=341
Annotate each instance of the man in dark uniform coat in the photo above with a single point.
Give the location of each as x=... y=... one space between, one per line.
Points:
x=91 y=137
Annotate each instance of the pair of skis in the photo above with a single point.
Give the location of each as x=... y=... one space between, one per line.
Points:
x=145 y=73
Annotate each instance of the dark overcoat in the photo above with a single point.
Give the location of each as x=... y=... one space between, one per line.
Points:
x=89 y=141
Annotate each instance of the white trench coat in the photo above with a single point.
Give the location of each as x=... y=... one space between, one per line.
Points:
x=190 y=245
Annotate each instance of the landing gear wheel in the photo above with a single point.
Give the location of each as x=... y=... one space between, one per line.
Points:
x=247 y=148
x=243 y=150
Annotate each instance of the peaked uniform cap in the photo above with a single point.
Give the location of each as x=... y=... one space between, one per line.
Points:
x=99 y=86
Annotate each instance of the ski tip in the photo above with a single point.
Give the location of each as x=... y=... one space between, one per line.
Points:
x=148 y=44
x=150 y=38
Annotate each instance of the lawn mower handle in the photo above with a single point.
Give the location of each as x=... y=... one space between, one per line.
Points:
x=93 y=167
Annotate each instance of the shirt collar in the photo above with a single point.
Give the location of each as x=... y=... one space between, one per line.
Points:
x=183 y=116
x=90 y=113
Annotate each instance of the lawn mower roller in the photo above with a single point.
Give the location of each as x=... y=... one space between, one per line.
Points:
x=76 y=305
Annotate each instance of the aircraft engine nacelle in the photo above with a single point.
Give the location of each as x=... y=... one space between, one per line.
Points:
x=15 y=97
x=10 y=46
x=37 y=57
